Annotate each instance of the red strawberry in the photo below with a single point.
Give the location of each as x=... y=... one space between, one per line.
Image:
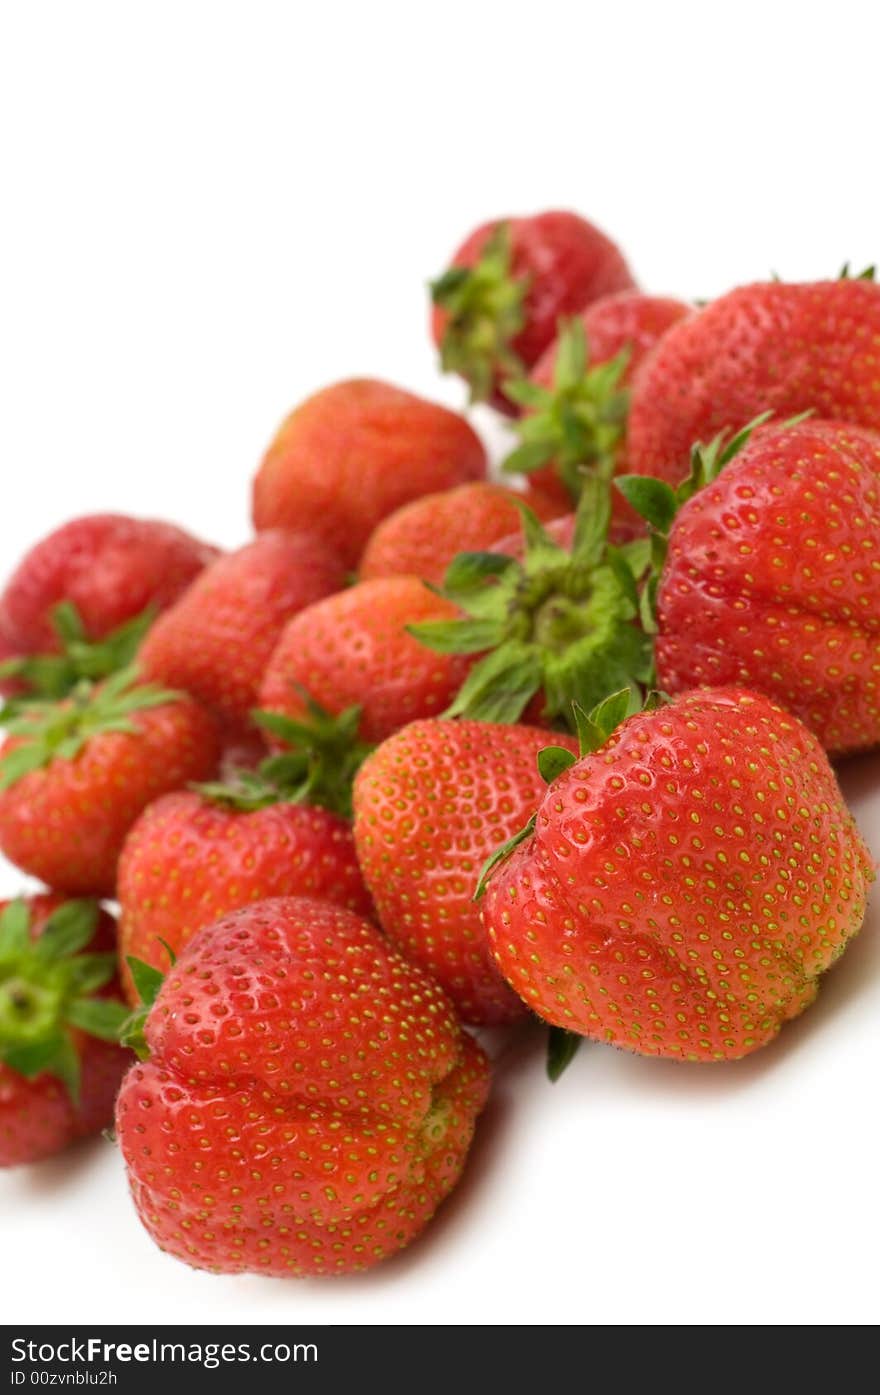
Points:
x=630 y=322
x=75 y=775
x=194 y=856
x=497 y=306
x=772 y=579
x=778 y=347
x=353 y=649
x=430 y=805
x=60 y=1064
x=352 y=454
x=686 y=884
x=109 y=567
x=422 y=538
x=216 y=642
x=308 y=1101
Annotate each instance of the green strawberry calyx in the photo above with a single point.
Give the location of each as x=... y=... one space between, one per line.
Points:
x=560 y=623
x=147 y=980
x=659 y=504
x=56 y=675
x=845 y=274
x=322 y=756
x=577 y=424
x=46 y=730
x=484 y=304
x=47 y=988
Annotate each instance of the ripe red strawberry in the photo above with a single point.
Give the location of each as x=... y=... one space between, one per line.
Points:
x=308 y=1101
x=60 y=1063
x=430 y=805
x=772 y=579
x=422 y=538
x=216 y=642
x=107 y=569
x=194 y=856
x=686 y=884
x=352 y=454
x=75 y=775
x=778 y=347
x=576 y=397
x=353 y=649
x=497 y=306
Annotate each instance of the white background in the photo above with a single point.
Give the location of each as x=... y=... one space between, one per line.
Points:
x=209 y=210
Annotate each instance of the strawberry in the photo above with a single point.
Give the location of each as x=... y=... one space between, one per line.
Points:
x=196 y=855
x=308 y=1099
x=769 y=574
x=423 y=537
x=216 y=642
x=496 y=307
x=778 y=347
x=352 y=454
x=577 y=395
x=60 y=1064
x=558 y=626
x=75 y=775
x=430 y=804
x=354 y=649
x=685 y=883
x=81 y=600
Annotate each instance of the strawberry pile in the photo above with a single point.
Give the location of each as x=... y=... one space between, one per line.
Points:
x=443 y=747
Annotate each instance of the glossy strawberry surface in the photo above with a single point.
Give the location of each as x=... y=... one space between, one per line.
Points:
x=308 y=1102
x=431 y=804
x=215 y=643
x=768 y=347
x=352 y=454
x=353 y=649
x=686 y=885
x=190 y=860
x=772 y=580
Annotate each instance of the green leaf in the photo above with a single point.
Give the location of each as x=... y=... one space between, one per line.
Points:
x=592 y=521
x=595 y=727
x=553 y=760
x=572 y=354
x=68 y=930
x=66 y=1067
x=527 y=458
x=524 y=392
x=500 y=855
x=542 y=552
x=33 y=1057
x=654 y=500
x=562 y=1047
x=67 y=624
x=20 y=761
x=146 y=979
x=99 y=1017
x=55 y=1055
x=499 y=687
x=15 y=937
x=457 y=636
x=88 y=972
